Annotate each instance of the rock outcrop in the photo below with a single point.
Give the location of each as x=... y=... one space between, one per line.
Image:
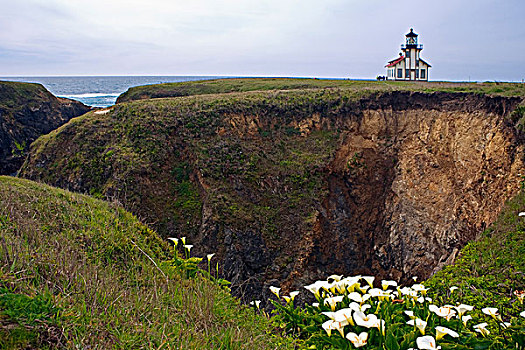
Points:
x=26 y=112
x=288 y=187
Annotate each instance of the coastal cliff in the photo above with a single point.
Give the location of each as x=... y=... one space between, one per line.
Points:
x=287 y=186
x=26 y=112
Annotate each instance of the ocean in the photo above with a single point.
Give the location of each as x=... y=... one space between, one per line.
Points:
x=101 y=91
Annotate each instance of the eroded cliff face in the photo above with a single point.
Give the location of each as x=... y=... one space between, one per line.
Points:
x=391 y=184
x=28 y=111
x=408 y=189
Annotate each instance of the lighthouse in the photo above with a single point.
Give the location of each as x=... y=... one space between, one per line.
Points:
x=409 y=65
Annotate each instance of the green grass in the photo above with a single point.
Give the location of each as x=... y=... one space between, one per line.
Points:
x=219 y=86
x=72 y=275
x=15 y=95
x=151 y=152
x=491 y=268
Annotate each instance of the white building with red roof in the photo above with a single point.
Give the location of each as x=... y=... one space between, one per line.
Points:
x=409 y=65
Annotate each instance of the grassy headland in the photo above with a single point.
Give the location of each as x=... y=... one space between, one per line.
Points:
x=221 y=86
x=77 y=272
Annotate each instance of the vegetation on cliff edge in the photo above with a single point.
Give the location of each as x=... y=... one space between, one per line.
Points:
x=77 y=272
x=220 y=86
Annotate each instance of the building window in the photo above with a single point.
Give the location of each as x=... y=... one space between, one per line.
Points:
x=399 y=73
x=417 y=74
x=408 y=53
x=407 y=73
x=423 y=74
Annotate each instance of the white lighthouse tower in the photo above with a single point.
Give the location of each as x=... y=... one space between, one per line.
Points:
x=409 y=65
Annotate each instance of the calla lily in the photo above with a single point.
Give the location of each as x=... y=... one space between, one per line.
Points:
x=256 y=303
x=275 y=291
x=482 y=328
x=420 y=288
x=188 y=247
x=369 y=280
x=339 y=287
x=442 y=331
x=522 y=314
x=386 y=284
x=345 y=316
x=291 y=297
x=505 y=324
x=427 y=342
x=358 y=340
x=361 y=288
x=368 y=321
x=174 y=240
x=332 y=301
x=352 y=283
x=462 y=308
x=378 y=293
x=315 y=304
x=209 y=256
x=336 y=278
x=419 y=324
x=183 y=239
x=445 y=311
x=331 y=325
x=453 y=288
x=406 y=291
x=522 y=213
x=316 y=287
x=493 y=312
x=354 y=296
x=465 y=319
x=357 y=307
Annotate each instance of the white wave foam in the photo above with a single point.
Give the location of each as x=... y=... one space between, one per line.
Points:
x=91 y=95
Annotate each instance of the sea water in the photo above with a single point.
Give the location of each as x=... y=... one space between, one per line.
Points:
x=101 y=91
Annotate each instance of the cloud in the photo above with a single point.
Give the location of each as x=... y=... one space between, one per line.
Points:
x=268 y=37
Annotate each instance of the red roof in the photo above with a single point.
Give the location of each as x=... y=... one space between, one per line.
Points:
x=395 y=61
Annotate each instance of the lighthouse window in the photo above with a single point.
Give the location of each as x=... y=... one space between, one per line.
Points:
x=399 y=73
x=417 y=74
x=407 y=73
x=423 y=74
x=408 y=53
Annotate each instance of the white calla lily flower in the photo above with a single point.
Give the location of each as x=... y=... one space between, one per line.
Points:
x=358 y=340
x=462 y=308
x=419 y=324
x=386 y=284
x=446 y=311
x=465 y=319
x=442 y=331
x=482 y=328
x=427 y=342
x=275 y=290
x=369 y=280
x=492 y=312
x=332 y=301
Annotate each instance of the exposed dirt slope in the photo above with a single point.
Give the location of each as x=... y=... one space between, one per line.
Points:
x=26 y=112
x=291 y=186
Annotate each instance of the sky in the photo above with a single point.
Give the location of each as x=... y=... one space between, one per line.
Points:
x=477 y=40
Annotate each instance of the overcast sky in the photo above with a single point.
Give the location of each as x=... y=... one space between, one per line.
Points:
x=476 y=39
